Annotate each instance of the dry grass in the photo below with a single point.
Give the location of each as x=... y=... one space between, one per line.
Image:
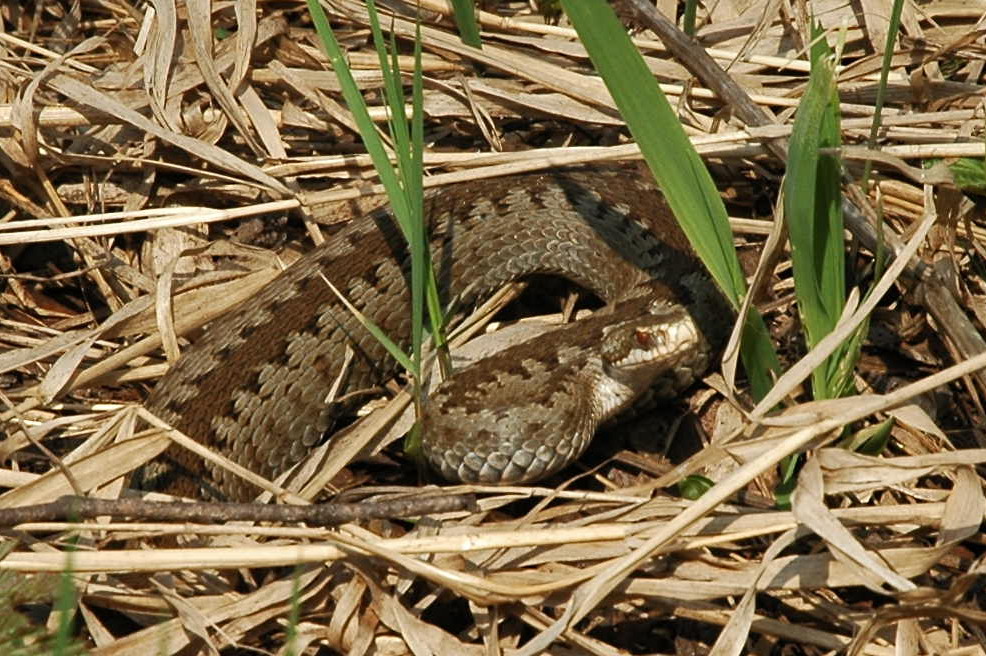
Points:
x=131 y=124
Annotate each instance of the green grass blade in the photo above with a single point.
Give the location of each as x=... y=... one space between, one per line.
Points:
x=65 y=603
x=465 y=21
x=434 y=302
x=679 y=170
x=688 y=17
x=294 y=613
x=403 y=185
x=813 y=210
x=399 y=202
x=409 y=169
x=378 y=334
x=881 y=90
x=412 y=174
x=354 y=100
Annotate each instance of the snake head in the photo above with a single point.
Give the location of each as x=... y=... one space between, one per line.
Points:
x=661 y=342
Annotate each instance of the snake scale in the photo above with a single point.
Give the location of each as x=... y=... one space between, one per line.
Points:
x=254 y=386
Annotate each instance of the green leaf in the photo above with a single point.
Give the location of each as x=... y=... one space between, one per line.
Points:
x=871 y=440
x=465 y=21
x=678 y=169
x=813 y=211
x=694 y=486
x=969 y=174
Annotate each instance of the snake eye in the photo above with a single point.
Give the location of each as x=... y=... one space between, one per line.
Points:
x=644 y=337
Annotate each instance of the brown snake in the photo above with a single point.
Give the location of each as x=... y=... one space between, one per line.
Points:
x=254 y=386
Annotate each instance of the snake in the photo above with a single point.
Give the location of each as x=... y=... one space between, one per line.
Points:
x=255 y=385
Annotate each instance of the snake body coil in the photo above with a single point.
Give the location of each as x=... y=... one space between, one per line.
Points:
x=253 y=387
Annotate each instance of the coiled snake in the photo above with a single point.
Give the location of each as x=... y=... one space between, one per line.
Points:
x=254 y=386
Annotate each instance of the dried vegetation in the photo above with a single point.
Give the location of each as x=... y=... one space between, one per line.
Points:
x=172 y=130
